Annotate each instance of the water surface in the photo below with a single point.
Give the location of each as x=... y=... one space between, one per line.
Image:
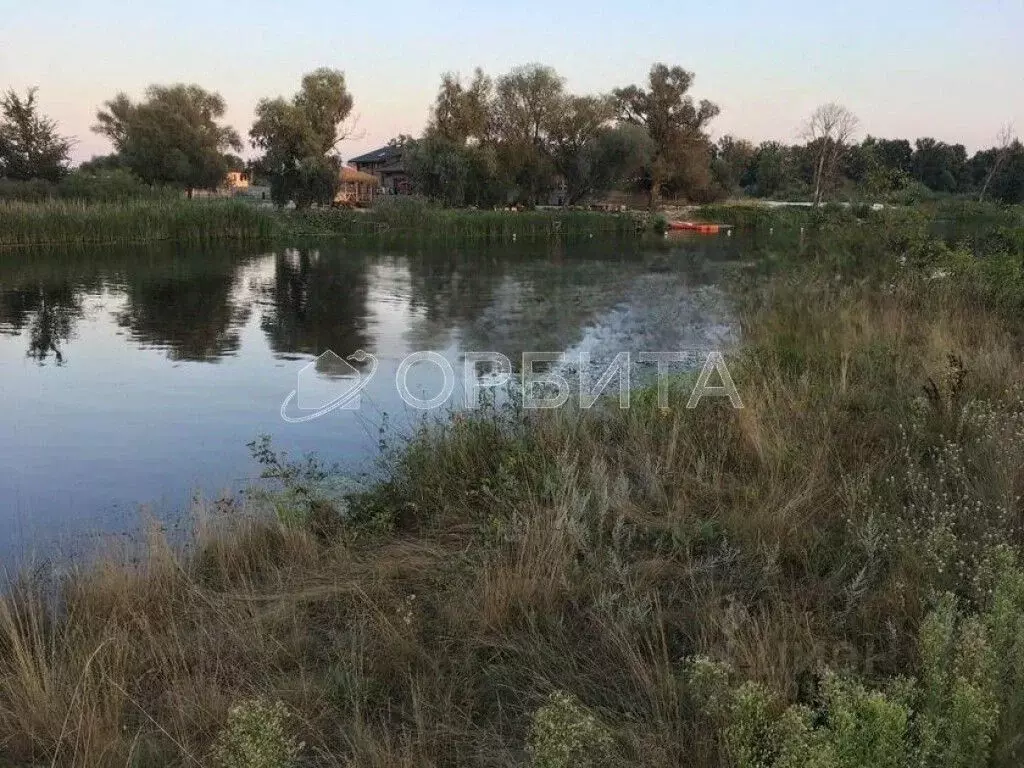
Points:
x=135 y=377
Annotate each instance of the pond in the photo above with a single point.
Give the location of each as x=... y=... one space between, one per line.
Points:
x=133 y=379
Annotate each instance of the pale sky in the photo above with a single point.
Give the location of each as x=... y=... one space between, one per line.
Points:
x=952 y=69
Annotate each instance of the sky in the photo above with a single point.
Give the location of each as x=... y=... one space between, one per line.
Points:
x=944 y=68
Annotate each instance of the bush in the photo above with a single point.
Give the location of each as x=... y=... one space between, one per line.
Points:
x=565 y=734
x=33 y=191
x=257 y=736
x=111 y=186
x=962 y=710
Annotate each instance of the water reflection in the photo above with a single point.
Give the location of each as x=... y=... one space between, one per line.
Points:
x=49 y=312
x=314 y=302
x=126 y=405
x=192 y=314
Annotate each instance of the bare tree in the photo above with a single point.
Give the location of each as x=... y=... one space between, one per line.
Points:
x=1004 y=143
x=828 y=131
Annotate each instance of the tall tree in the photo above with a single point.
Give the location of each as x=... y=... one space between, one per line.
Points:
x=828 y=133
x=939 y=166
x=1003 y=148
x=735 y=164
x=173 y=137
x=462 y=113
x=299 y=139
x=30 y=146
x=527 y=102
x=579 y=150
x=675 y=123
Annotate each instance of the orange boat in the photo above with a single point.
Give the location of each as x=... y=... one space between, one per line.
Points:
x=692 y=226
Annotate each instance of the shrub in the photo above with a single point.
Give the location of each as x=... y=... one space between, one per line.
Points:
x=565 y=734
x=257 y=736
x=963 y=709
x=111 y=186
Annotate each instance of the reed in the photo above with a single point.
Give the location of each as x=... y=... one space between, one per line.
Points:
x=56 y=222
x=399 y=222
x=67 y=223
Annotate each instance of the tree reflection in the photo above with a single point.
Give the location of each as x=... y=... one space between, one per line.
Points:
x=48 y=310
x=316 y=302
x=193 y=314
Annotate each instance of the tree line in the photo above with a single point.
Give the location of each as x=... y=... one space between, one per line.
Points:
x=518 y=138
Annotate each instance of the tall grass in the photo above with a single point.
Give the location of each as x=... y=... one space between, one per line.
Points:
x=403 y=219
x=536 y=589
x=65 y=223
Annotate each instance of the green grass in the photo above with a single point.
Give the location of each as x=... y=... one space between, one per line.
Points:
x=829 y=576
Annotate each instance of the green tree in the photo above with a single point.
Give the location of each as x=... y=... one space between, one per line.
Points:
x=452 y=173
x=526 y=105
x=463 y=113
x=735 y=164
x=455 y=162
x=30 y=146
x=675 y=124
x=773 y=169
x=579 y=148
x=299 y=139
x=885 y=164
x=613 y=157
x=173 y=137
x=939 y=166
x=999 y=173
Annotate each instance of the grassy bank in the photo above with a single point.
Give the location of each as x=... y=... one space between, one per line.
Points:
x=68 y=223
x=829 y=576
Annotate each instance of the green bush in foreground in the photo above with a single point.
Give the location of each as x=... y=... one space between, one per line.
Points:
x=964 y=709
x=257 y=735
x=565 y=734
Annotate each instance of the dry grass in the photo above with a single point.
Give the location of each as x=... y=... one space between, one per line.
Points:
x=505 y=559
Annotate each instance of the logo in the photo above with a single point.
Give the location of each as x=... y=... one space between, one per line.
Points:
x=328 y=383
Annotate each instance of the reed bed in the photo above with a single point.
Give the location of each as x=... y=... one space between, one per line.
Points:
x=66 y=223
x=395 y=223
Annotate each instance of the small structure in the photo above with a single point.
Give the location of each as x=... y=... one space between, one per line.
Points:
x=357 y=188
x=236 y=181
x=387 y=165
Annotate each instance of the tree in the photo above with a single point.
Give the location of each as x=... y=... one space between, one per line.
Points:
x=453 y=173
x=674 y=122
x=299 y=139
x=828 y=133
x=884 y=164
x=527 y=102
x=773 y=169
x=998 y=172
x=735 y=164
x=173 y=137
x=579 y=151
x=1005 y=144
x=463 y=113
x=30 y=146
x=939 y=166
